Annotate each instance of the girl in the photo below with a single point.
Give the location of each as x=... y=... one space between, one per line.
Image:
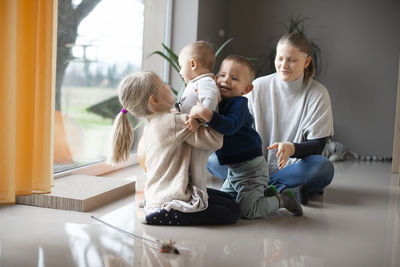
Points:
x=170 y=198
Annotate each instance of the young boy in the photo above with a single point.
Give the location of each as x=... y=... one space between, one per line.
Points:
x=241 y=151
x=196 y=61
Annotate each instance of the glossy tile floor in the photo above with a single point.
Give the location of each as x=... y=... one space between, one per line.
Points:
x=355 y=223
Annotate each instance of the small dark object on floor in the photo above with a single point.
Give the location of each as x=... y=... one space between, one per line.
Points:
x=168 y=248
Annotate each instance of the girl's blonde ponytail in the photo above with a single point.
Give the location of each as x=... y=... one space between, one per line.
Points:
x=121 y=139
x=134 y=93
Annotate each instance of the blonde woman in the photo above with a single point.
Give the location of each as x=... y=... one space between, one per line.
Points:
x=170 y=197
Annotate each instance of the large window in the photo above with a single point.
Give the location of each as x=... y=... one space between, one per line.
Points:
x=99 y=42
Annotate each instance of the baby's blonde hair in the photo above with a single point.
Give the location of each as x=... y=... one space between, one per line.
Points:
x=202 y=52
x=134 y=93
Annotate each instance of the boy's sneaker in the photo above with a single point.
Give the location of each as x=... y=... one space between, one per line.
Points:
x=288 y=201
x=270 y=191
x=300 y=193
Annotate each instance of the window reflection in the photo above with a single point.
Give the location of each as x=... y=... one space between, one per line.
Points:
x=99 y=42
x=91 y=246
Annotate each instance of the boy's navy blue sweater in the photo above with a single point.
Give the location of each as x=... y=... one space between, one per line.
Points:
x=234 y=121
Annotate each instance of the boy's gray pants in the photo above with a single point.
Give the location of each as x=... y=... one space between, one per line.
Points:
x=247 y=182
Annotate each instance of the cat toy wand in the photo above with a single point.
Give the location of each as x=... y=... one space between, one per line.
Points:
x=163 y=246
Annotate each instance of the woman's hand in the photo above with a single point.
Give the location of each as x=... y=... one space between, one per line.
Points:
x=285 y=150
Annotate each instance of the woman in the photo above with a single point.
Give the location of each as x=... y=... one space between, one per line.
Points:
x=293 y=115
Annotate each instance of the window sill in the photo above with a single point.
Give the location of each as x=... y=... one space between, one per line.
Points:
x=99 y=168
x=79 y=192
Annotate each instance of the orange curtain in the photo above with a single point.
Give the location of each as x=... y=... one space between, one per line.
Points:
x=27 y=73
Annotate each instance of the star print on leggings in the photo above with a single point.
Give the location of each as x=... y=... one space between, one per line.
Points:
x=163 y=217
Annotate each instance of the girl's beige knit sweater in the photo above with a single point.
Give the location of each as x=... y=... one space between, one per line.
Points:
x=168 y=147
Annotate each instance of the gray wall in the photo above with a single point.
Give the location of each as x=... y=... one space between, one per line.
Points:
x=213 y=25
x=360 y=44
x=198 y=20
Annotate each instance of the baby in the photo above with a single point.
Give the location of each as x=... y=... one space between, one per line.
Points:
x=247 y=168
x=196 y=61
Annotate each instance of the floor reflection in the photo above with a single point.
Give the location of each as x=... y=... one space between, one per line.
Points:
x=355 y=223
x=94 y=245
x=191 y=253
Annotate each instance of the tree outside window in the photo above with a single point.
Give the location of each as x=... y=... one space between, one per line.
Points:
x=99 y=42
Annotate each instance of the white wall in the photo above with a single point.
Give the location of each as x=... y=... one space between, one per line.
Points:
x=153 y=35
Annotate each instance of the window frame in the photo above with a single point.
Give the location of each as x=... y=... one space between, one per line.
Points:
x=151 y=42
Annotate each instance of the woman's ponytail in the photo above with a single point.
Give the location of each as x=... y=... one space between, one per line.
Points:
x=309 y=72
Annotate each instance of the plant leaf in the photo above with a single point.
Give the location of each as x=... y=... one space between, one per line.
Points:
x=172 y=55
x=174 y=91
x=251 y=58
x=170 y=61
x=222 y=46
